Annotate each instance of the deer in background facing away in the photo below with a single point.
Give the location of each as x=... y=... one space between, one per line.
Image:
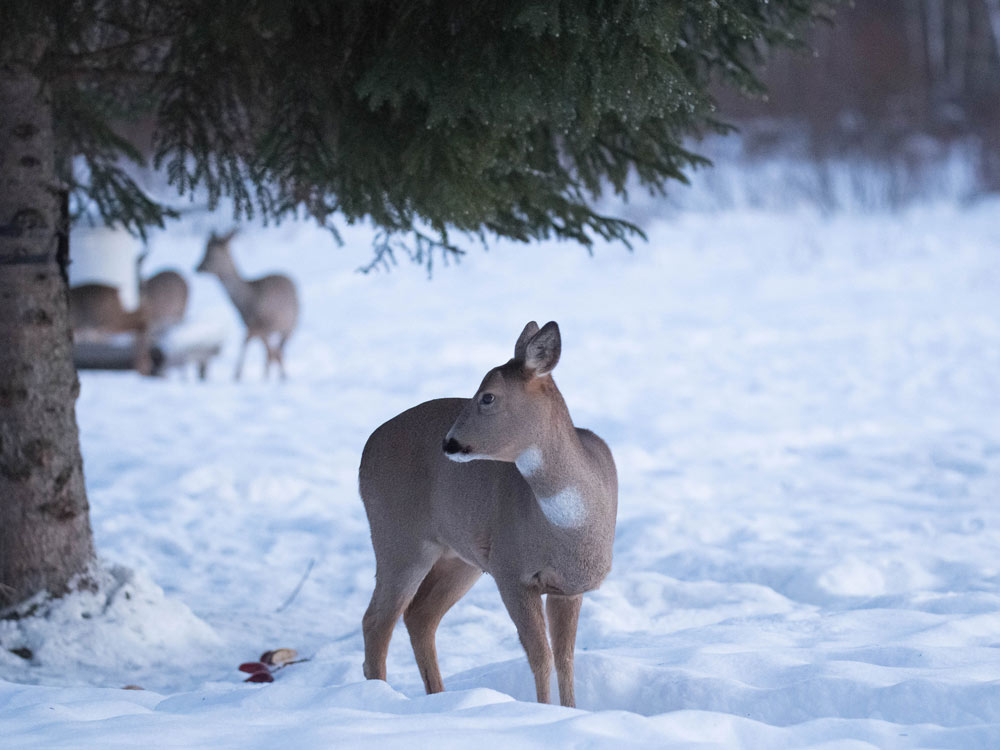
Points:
x=163 y=297
x=502 y=483
x=269 y=305
x=96 y=311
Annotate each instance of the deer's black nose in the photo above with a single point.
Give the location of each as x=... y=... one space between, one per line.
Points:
x=450 y=446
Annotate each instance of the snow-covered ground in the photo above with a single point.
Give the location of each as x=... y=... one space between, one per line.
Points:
x=805 y=413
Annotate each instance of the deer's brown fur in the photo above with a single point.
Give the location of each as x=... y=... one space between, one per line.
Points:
x=269 y=306
x=502 y=483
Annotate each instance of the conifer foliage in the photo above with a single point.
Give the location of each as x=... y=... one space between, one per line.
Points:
x=494 y=118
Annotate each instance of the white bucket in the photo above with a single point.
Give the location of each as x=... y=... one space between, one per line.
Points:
x=102 y=255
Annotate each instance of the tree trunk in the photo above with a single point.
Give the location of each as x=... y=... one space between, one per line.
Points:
x=993 y=9
x=45 y=536
x=936 y=47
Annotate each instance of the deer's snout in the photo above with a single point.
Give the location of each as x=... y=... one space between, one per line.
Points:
x=452 y=446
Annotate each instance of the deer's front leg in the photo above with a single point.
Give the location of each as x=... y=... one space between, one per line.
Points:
x=564 y=613
x=525 y=608
x=242 y=356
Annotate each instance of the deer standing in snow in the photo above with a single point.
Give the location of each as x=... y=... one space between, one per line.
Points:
x=163 y=297
x=96 y=311
x=502 y=483
x=269 y=305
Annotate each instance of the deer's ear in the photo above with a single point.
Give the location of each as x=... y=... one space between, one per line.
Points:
x=230 y=234
x=542 y=351
x=522 y=341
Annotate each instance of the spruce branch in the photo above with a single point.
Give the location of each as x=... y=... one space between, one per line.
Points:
x=501 y=119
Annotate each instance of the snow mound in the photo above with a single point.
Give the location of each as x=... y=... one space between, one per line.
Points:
x=121 y=629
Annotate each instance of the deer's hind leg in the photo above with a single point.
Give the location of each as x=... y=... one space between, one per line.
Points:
x=445 y=584
x=270 y=355
x=396 y=582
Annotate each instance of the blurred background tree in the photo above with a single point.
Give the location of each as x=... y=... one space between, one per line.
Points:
x=888 y=77
x=426 y=118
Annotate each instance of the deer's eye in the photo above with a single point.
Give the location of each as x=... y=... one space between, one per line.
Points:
x=487 y=399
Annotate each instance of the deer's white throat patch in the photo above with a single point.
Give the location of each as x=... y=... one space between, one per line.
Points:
x=565 y=508
x=529 y=462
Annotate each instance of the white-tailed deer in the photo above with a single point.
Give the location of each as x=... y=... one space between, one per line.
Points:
x=269 y=305
x=502 y=483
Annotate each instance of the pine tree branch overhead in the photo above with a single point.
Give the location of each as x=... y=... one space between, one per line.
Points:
x=503 y=118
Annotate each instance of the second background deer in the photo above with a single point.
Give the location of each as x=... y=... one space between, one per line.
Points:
x=269 y=306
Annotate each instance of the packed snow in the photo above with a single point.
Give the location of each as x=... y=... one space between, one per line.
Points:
x=804 y=414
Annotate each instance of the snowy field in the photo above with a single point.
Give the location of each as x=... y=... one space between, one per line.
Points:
x=805 y=414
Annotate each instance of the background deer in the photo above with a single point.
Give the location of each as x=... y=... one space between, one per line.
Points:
x=526 y=497
x=269 y=305
x=96 y=311
x=163 y=297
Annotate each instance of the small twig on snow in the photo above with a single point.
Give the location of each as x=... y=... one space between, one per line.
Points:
x=295 y=592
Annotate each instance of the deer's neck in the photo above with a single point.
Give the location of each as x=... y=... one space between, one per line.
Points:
x=559 y=472
x=238 y=289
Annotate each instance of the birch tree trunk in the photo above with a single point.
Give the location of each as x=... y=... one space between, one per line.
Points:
x=45 y=536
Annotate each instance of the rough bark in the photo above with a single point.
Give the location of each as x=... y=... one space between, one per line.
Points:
x=45 y=536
